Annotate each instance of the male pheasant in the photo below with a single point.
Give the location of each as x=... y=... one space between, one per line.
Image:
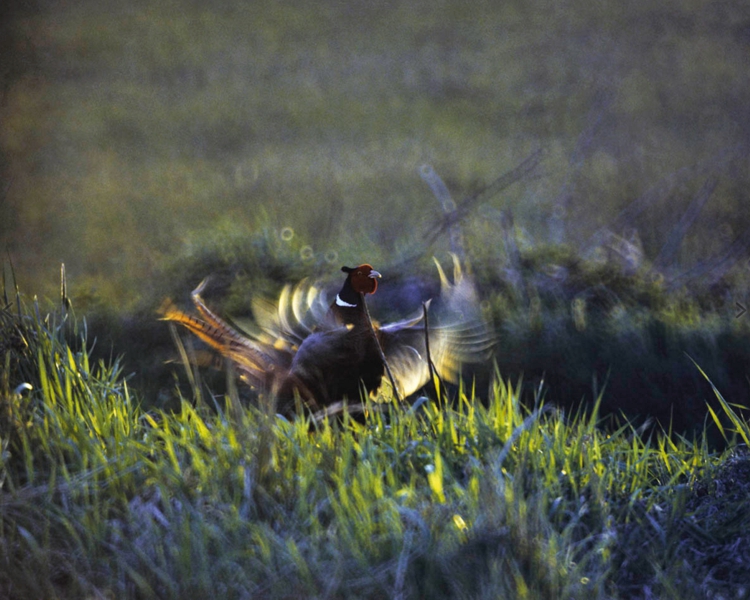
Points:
x=327 y=353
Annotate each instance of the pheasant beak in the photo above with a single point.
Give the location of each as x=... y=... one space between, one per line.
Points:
x=373 y=276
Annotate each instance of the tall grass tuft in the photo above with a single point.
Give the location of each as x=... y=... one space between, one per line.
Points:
x=450 y=498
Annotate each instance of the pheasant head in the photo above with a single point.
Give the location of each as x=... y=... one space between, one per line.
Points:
x=360 y=280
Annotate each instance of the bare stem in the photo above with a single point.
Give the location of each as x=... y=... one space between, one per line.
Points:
x=433 y=373
x=380 y=348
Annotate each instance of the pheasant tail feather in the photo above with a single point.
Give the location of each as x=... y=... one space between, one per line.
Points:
x=252 y=361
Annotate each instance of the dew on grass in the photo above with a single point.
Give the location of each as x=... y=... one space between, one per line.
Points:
x=459 y=522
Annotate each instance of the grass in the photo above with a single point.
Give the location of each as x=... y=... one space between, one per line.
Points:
x=472 y=497
x=148 y=145
x=151 y=144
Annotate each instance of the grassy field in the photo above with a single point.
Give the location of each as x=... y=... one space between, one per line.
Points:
x=102 y=498
x=149 y=144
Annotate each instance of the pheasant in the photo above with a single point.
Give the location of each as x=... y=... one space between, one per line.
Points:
x=326 y=353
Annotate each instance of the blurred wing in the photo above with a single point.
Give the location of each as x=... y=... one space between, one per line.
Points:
x=300 y=311
x=458 y=335
x=462 y=334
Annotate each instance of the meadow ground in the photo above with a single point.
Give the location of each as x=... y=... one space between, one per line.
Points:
x=449 y=498
x=149 y=144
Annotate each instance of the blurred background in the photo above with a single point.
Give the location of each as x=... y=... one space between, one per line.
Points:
x=147 y=143
x=130 y=129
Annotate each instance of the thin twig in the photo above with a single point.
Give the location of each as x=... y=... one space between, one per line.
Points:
x=497 y=186
x=668 y=253
x=380 y=348
x=445 y=221
x=64 y=298
x=433 y=372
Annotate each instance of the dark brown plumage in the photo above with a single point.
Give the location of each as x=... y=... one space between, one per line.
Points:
x=327 y=353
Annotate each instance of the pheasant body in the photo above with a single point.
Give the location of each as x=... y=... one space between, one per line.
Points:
x=327 y=353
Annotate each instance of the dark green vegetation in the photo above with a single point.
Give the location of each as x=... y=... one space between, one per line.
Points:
x=129 y=131
x=102 y=498
x=149 y=144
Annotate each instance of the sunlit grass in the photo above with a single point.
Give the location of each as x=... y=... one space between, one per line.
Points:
x=471 y=497
x=149 y=145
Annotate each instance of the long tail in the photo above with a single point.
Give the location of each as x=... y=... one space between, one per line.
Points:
x=256 y=362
